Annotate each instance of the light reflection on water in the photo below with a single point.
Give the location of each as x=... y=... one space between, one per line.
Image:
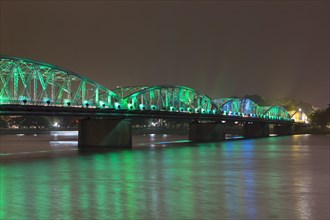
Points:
x=61 y=143
x=269 y=178
x=64 y=133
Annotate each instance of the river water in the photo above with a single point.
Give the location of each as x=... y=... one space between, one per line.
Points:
x=165 y=177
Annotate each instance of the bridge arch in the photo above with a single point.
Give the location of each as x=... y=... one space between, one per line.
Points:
x=38 y=83
x=240 y=107
x=276 y=112
x=167 y=98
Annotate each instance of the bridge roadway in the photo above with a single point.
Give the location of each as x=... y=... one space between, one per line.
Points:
x=124 y=113
x=105 y=128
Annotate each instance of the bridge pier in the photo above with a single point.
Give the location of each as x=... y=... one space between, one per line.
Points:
x=206 y=132
x=98 y=134
x=255 y=129
x=283 y=129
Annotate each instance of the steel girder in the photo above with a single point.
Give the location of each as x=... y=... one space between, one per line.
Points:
x=31 y=82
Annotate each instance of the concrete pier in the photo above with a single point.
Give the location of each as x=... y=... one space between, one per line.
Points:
x=283 y=129
x=202 y=132
x=95 y=134
x=255 y=129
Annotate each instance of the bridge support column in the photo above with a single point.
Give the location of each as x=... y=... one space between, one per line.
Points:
x=283 y=129
x=206 y=132
x=98 y=134
x=256 y=129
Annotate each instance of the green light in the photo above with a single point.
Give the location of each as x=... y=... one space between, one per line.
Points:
x=67 y=102
x=117 y=106
x=102 y=104
x=130 y=107
x=86 y=103
x=35 y=81
x=153 y=107
x=47 y=100
x=3 y=193
x=4 y=99
x=142 y=107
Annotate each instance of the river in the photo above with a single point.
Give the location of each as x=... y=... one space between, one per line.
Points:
x=44 y=176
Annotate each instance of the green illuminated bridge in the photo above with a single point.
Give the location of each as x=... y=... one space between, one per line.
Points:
x=31 y=87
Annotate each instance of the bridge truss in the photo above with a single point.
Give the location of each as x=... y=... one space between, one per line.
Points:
x=248 y=108
x=27 y=82
x=24 y=81
x=168 y=98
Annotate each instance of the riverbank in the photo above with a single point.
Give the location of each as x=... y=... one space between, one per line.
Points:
x=313 y=131
x=33 y=131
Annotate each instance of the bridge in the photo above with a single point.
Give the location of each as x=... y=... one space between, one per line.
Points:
x=37 y=88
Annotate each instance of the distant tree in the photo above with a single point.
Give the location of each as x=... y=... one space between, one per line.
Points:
x=293 y=105
x=256 y=98
x=320 y=118
x=29 y=122
x=3 y=123
x=69 y=122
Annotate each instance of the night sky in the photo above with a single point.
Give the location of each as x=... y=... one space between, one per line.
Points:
x=220 y=48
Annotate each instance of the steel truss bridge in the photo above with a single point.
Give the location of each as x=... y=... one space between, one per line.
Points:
x=32 y=87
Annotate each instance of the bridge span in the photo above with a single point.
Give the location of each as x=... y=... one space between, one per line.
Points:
x=30 y=87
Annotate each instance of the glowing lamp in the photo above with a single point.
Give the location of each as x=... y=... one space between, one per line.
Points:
x=86 y=103
x=3 y=99
x=142 y=107
x=67 y=102
x=130 y=107
x=153 y=107
x=102 y=104
x=117 y=106
x=23 y=99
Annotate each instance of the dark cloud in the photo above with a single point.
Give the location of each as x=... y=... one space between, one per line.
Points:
x=275 y=48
